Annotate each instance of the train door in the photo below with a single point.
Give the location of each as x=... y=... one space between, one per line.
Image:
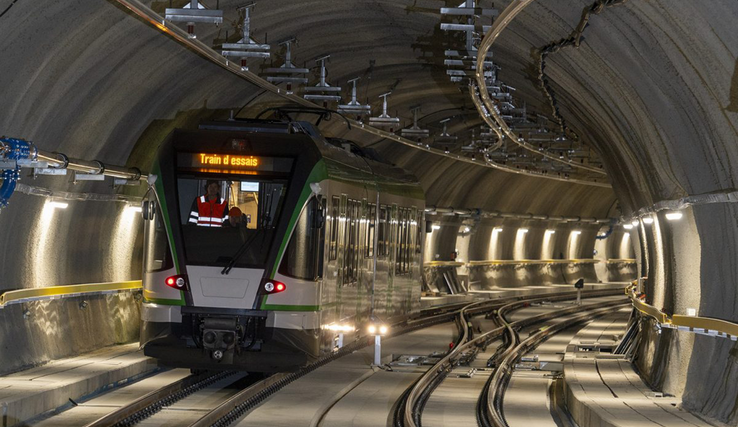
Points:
x=340 y=239
x=331 y=281
x=393 y=242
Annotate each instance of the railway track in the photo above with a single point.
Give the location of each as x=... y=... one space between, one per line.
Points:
x=226 y=411
x=489 y=407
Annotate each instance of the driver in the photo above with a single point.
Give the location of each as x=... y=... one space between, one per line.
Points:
x=209 y=210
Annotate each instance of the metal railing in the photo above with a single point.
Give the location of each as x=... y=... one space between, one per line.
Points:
x=520 y=262
x=697 y=324
x=65 y=291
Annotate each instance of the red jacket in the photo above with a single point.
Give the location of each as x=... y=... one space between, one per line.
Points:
x=209 y=213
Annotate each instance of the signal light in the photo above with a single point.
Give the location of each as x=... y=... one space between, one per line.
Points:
x=274 y=287
x=178 y=282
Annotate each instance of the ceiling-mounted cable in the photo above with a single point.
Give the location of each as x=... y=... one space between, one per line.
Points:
x=489 y=38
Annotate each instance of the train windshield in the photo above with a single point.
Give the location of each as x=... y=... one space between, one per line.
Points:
x=229 y=222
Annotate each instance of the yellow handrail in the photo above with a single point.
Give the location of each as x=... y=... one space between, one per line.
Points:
x=444 y=264
x=510 y=262
x=49 y=292
x=708 y=325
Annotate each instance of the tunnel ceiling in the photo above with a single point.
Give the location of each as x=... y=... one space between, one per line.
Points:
x=648 y=90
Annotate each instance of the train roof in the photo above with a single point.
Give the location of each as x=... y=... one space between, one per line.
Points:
x=344 y=160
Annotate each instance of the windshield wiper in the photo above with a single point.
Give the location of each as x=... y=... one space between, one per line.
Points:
x=240 y=252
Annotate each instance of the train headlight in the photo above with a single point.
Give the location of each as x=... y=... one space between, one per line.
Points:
x=178 y=282
x=273 y=287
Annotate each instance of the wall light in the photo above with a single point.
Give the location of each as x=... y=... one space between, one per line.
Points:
x=550 y=231
x=628 y=226
x=634 y=223
x=435 y=227
x=576 y=232
x=467 y=229
x=691 y=312
x=497 y=229
x=648 y=220
x=57 y=205
x=523 y=230
x=673 y=216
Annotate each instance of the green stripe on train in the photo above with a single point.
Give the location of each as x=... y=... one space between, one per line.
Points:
x=159 y=188
x=318 y=174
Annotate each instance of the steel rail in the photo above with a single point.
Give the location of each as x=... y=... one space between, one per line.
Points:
x=490 y=403
x=409 y=409
x=151 y=403
x=249 y=398
x=235 y=406
x=487 y=109
x=180 y=36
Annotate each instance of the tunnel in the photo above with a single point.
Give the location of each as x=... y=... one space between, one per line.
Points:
x=552 y=141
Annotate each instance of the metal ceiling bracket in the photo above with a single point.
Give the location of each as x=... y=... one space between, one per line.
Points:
x=191 y=13
x=415 y=132
x=287 y=72
x=246 y=47
x=354 y=107
x=384 y=119
x=323 y=91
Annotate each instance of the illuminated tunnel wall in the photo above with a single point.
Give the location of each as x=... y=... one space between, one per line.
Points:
x=652 y=89
x=506 y=240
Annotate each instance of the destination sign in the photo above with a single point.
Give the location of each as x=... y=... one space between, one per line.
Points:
x=204 y=159
x=232 y=163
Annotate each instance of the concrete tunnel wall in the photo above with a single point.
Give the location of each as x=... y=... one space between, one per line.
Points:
x=113 y=88
x=542 y=241
x=651 y=89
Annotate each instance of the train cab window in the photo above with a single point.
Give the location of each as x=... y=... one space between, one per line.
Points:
x=157 y=256
x=229 y=221
x=303 y=257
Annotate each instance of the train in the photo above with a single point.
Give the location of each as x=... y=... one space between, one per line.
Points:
x=268 y=245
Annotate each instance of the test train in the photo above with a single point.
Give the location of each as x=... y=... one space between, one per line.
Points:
x=325 y=240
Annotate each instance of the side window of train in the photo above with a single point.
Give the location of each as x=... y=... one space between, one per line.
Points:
x=405 y=240
x=382 y=235
x=417 y=236
x=333 y=241
x=400 y=248
x=157 y=255
x=303 y=257
x=351 y=241
x=371 y=229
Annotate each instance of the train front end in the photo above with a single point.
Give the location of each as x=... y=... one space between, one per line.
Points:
x=220 y=210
